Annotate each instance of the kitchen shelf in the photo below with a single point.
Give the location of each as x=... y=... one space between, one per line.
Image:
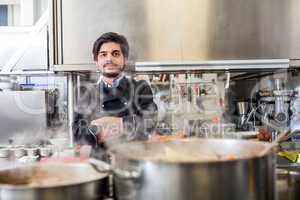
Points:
x=217 y=65
x=75 y=68
x=168 y=67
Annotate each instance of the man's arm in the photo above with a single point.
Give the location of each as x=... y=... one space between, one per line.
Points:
x=144 y=99
x=146 y=108
x=86 y=104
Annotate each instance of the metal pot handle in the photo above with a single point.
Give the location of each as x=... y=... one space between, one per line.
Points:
x=100 y=166
x=123 y=174
x=104 y=167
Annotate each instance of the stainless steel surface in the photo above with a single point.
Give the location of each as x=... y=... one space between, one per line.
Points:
x=70 y=68
x=223 y=65
x=295 y=117
x=57 y=181
x=28 y=73
x=4 y=151
x=281 y=113
x=213 y=65
x=70 y=80
x=243 y=107
x=32 y=151
x=295 y=63
x=169 y=170
x=22 y=117
x=103 y=167
x=55 y=39
x=184 y=31
x=278 y=84
x=45 y=151
x=18 y=152
x=288 y=184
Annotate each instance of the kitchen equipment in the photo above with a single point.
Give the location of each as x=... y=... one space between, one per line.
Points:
x=295 y=117
x=45 y=151
x=18 y=151
x=194 y=169
x=32 y=151
x=22 y=116
x=48 y=181
x=59 y=144
x=4 y=151
x=242 y=108
x=275 y=114
x=288 y=184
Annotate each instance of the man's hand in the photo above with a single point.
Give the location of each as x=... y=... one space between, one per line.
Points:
x=111 y=128
x=263 y=134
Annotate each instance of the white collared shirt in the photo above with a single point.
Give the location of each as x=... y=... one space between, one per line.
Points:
x=115 y=84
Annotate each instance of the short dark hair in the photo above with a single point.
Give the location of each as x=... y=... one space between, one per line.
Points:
x=111 y=37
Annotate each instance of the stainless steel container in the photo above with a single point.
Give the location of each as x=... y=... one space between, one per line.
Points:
x=242 y=107
x=32 y=151
x=18 y=151
x=193 y=169
x=45 y=151
x=288 y=184
x=57 y=181
x=4 y=151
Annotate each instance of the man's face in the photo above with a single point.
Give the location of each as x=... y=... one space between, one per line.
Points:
x=110 y=59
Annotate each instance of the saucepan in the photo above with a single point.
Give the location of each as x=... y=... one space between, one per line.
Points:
x=220 y=169
x=171 y=170
x=48 y=181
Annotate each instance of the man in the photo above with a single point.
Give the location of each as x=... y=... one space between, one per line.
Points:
x=116 y=107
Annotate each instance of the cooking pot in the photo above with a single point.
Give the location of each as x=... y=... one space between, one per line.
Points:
x=49 y=181
x=288 y=184
x=193 y=169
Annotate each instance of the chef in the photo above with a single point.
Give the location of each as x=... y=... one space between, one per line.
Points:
x=117 y=107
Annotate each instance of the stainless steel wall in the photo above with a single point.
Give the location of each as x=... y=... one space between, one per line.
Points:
x=176 y=30
x=23 y=116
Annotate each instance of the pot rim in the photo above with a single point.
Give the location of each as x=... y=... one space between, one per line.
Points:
x=98 y=177
x=131 y=158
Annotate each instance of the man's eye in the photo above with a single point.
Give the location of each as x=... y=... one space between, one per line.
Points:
x=102 y=54
x=116 y=54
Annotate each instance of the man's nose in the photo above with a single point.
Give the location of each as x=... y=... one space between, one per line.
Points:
x=109 y=57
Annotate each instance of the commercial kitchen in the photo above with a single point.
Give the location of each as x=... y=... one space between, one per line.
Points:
x=225 y=80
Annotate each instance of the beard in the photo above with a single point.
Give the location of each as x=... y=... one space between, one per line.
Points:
x=111 y=74
x=114 y=74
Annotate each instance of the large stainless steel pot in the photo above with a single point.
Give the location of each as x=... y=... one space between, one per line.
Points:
x=288 y=184
x=194 y=169
x=59 y=181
